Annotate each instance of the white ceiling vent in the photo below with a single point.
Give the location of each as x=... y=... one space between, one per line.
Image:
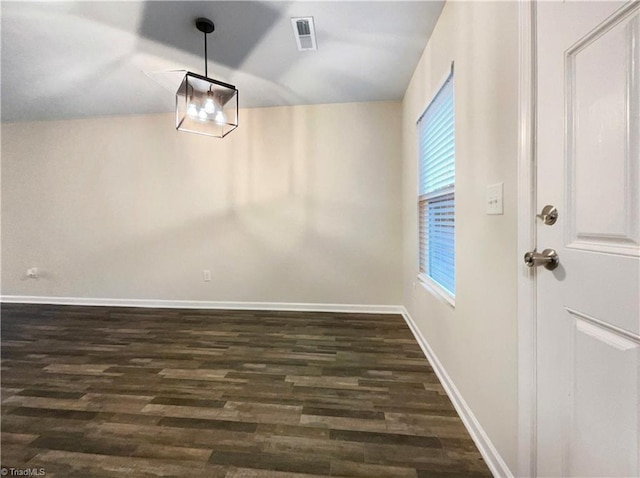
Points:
x=305 y=33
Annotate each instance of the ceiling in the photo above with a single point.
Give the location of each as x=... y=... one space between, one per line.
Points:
x=75 y=59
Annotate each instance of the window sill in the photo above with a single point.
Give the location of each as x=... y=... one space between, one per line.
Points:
x=437 y=290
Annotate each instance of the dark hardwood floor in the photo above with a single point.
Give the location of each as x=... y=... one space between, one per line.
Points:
x=112 y=392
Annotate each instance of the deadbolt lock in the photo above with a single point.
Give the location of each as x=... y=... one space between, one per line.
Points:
x=549 y=215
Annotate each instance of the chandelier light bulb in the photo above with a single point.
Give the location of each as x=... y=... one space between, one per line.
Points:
x=209 y=106
x=192 y=111
x=202 y=114
x=220 y=118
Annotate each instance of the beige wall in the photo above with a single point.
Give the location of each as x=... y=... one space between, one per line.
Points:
x=300 y=204
x=476 y=341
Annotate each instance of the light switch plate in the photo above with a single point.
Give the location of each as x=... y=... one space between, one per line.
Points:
x=494 y=199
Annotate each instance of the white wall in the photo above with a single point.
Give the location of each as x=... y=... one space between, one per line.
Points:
x=476 y=341
x=299 y=204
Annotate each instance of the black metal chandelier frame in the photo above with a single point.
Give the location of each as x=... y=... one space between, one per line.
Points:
x=187 y=116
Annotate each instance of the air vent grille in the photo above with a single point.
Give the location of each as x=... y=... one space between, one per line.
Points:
x=303 y=27
x=305 y=33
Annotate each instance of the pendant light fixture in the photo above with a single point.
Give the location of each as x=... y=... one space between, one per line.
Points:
x=206 y=106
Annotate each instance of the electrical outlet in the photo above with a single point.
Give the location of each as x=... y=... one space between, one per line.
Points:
x=33 y=273
x=206 y=275
x=494 y=199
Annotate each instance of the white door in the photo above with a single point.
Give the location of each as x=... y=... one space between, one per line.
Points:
x=588 y=308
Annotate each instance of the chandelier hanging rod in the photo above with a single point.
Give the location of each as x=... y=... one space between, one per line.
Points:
x=206 y=26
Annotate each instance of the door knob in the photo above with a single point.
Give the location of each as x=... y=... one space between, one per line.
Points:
x=547 y=258
x=549 y=215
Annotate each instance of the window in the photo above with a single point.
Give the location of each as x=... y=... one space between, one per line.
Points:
x=436 y=195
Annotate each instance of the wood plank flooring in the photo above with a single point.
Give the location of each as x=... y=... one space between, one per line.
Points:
x=106 y=392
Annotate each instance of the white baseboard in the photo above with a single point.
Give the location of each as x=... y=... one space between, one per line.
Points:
x=204 y=304
x=488 y=451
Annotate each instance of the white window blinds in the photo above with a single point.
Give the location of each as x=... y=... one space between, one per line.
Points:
x=436 y=189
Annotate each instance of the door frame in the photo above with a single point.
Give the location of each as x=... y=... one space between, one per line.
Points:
x=526 y=238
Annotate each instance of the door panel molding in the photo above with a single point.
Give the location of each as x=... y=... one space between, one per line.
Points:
x=610 y=334
x=608 y=53
x=589 y=426
x=605 y=336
